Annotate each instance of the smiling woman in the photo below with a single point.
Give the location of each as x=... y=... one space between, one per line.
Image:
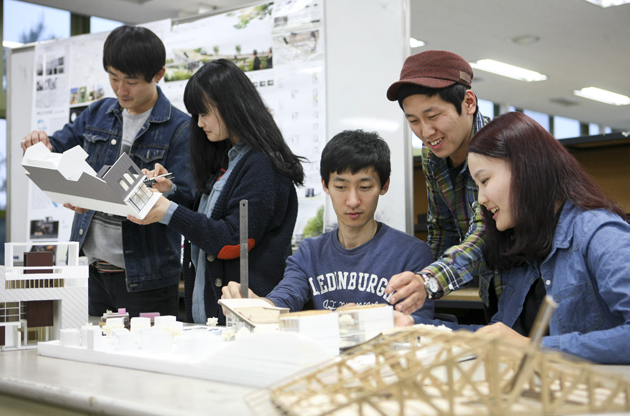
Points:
x=552 y=231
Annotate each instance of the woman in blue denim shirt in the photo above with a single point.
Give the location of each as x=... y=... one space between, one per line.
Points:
x=551 y=230
x=237 y=152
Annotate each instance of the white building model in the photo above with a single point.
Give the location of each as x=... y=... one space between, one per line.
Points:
x=67 y=178
x=251 y=314
x=358 y=324
x=37 y=302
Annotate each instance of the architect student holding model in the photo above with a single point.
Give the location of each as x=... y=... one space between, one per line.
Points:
x=132 y=267
x=237 y=152
x=351 y=264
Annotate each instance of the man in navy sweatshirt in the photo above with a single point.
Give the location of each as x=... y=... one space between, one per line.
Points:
x=354 y=262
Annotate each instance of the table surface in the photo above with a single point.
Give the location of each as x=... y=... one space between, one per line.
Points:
x=114 y=391
x=100 y=389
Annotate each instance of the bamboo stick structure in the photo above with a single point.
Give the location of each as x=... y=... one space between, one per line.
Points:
x=424 y=371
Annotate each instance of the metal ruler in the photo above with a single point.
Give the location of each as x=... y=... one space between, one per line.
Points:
x=243 y=209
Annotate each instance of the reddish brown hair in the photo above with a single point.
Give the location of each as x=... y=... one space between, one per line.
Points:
x=544 y=174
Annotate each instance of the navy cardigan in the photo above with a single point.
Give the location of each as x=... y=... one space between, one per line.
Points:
x=272 y=207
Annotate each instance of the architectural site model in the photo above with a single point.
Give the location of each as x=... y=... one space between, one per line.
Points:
x=260 y=345
x=67 y=178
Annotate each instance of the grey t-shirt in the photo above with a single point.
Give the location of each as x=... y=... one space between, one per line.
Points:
x=103 y=240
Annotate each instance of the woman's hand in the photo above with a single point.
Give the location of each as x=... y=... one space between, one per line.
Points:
x=505 y=332
x=162 y=185
x=156 y=213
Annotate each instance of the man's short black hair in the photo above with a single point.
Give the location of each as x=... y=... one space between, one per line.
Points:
x=354 y=151
x=453 y=94
x=134 y=51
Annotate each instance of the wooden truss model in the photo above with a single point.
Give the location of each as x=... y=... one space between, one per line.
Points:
x=425 y=371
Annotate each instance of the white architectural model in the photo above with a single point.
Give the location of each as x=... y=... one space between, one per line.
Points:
x=37 y=303
x=346 y=327
x=358 y=324
x=251 y=314
x=67 y=178
x=319 y=325
x=255 y=359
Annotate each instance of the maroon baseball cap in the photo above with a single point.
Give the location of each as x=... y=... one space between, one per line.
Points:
x=433 y=69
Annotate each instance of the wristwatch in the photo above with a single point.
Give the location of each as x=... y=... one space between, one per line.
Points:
x=431 y=285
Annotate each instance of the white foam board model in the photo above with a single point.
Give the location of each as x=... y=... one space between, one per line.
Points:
x=256 y=359
x=71 y=300
x=67 y=178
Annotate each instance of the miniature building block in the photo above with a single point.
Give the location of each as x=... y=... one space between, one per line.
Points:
x=84 y=335
x=124 y=315
x=165 y=321
x=115 y=322
x=11 y=335
x=150 y=315
x=320 y=325
x=70 y=337
x=67 y=178
x=126 y=341
x=358 y=324
x=156 y=341
x=138 y=323
x=94 y=338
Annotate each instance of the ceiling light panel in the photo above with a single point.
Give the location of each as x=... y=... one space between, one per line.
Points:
x=603 y=96
x=508 y=70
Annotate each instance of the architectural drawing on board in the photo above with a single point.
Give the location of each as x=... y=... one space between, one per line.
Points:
x=67 y=178
x=37 y=302
x=429 y=371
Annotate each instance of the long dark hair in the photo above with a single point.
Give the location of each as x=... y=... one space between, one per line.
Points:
x=222 y=86
x=544 y=175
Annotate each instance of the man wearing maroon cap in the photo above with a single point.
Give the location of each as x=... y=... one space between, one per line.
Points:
x=434 y=92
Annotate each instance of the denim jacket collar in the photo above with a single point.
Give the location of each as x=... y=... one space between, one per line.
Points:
x=564 y=230
x=161 y=110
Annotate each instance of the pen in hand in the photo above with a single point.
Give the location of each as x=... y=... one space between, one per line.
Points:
x=153 y=181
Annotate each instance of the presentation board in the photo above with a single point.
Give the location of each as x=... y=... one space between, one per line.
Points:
x=324 y=67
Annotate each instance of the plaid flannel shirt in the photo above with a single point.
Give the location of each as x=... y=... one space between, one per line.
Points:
x=455 y=225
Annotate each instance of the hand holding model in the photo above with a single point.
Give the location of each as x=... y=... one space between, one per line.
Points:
x=410 y=292
x=233 y=291
x=35 y=137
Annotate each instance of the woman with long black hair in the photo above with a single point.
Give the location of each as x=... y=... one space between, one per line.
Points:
x=237 y=152
x=551 y=231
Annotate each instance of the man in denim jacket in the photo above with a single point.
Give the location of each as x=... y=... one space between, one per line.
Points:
x=131 y=266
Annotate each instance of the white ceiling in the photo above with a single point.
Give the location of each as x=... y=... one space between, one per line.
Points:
x=581 y=45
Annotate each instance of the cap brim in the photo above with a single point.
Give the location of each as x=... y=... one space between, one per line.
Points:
x=392 y=91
